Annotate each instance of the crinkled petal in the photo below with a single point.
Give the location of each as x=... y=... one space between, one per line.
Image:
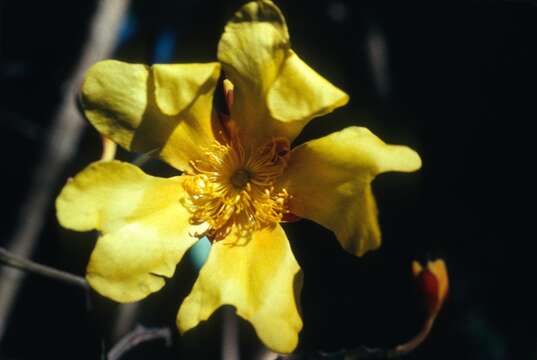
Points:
x=252 y=50
x=329 y=180
x=276 y=93
x=260 y=278
x=165 y=108
x=144 y=228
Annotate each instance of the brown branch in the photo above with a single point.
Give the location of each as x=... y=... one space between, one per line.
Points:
x=367 y=353
x=416 y=341
x=59 y=149
x=26 y=265
x=136 y=337
x=397 y=351
x=230 y=335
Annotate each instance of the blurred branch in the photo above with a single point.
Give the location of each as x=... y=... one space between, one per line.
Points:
x=367 y=353
x=230 y=335
x=144 y=158
x=60 y=147
x=398 y=351
x=136 y=337
x=433 y=282
x=26 y=265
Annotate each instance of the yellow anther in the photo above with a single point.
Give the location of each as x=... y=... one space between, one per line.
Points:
x=233 y=189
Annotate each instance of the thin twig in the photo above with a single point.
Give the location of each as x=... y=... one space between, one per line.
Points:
x=417 y=340
x=368 y=353
x=138 y=336
x=144 y=158
x=26 y=265
x=30 y=266
x=125 y=319
x=59 y=149
x=230 y=335
x=395 y=352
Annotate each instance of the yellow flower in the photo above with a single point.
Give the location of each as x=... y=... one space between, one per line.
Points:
x=239 y=179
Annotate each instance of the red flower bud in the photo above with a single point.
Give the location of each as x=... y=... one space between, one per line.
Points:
x=433 y=282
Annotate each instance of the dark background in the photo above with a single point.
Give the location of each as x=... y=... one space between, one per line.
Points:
x=455 y=82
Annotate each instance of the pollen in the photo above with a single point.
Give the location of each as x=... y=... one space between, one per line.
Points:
x=233 y=188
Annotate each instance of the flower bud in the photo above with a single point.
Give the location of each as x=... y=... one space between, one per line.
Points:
x=228 y=93
x=433 y=283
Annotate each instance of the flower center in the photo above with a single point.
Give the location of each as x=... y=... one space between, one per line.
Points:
x=240 y=178
x=233 y=189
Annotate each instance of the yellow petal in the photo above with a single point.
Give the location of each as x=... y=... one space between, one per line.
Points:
x=252 y=50
x=144 y=228
x=253 y=47
x=276 y=93
x=177 y=85
x=166 y=108
x=260 y=278
x=329 y=181
x=299 y=94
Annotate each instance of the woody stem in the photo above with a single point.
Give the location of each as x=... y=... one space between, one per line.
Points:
x=7 y=258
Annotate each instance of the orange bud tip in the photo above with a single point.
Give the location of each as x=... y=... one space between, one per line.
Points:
x=228 y=93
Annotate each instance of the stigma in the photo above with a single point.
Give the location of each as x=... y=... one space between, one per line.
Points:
x=232 y=189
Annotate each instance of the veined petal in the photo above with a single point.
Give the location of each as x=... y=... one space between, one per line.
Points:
x=329 y=180
x=144 y=228
x=260 y=278
x=166 y=108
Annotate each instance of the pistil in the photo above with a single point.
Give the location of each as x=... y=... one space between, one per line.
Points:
x=240 y=178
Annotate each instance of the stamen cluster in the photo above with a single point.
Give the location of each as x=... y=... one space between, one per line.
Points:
x=232 y=188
